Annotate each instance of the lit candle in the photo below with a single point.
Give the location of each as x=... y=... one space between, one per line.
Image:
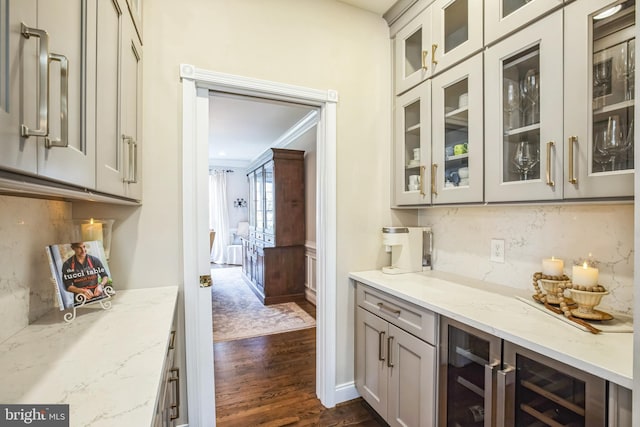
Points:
x=584 y=275
x=552 y=267
x=91 y=231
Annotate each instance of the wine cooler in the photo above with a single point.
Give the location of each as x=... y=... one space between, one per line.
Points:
x=485 y=381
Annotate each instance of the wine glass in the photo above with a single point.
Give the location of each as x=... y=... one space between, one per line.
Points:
x=601 y=77
x=525 y=159
x=530 y=89
x=613 y=144
x=511 y=104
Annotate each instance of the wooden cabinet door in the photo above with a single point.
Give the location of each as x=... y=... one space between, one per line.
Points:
x=18 y=87
x=523 y=123
x=131 y=109
x=66 y=154
x=106 y=74
x=456 y=32
x=412 y=151
x=502 y=17
x=457 y=119
x=371 y=360
x=599 y=91
x=412 y=380
x=412 y=50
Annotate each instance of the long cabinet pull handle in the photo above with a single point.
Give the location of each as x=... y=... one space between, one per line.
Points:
x=131 y=176
x=43 y=83
x=393 y=311
x=489 y=390
x=504 y=396
x=572 y=178
x=176 y=382
x=63 y=141
x=422 y=169
x=434 y=170
x=433 y=54
x=172 y=341
x=380 y=344
x=389 y=351
x=424 y=60
x=550 y=145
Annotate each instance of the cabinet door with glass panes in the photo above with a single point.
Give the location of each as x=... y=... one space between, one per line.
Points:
x=523 y=114
x=599 y=98
x=412 y=147
x=269 y=212
x=502 y=17
x=259 y=201
x=412 y=48
x=456 y=32
x=457 y=133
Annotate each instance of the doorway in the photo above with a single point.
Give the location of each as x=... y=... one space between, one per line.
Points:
x=196 y=85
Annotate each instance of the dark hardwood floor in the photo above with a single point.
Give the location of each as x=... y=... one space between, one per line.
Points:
x=270 y=381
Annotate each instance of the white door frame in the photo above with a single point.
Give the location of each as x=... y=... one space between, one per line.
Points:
x=196 y=83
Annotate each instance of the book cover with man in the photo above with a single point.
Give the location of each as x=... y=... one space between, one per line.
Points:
x=80 y=271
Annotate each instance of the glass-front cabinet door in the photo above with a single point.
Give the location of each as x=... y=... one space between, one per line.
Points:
x=600 y=82
x=251 y=177
x=523 y=110
x=457 y=134
x=456 y=32
x=269 y=213
x=259 y=199
x=412 y=150
x=412 y=49
x=502 y=17
x=469 y=361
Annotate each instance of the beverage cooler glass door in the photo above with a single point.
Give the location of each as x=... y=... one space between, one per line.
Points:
x=542 y=391
x=468 y=362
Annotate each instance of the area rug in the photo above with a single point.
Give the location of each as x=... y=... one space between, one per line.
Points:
x=237 y=312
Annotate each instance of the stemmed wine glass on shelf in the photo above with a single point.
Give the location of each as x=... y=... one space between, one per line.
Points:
x=611 y=143
x=525 y=158
x=530 y=89
x=511 y=104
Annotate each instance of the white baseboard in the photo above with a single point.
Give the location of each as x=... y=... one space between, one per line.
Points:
x=310 y=295
x=346 y=392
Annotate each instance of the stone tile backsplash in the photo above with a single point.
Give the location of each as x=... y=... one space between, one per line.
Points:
x=462 y=239
x=27 y=226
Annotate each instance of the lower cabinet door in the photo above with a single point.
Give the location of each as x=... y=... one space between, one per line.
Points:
x=412 y=380
x=371 y=360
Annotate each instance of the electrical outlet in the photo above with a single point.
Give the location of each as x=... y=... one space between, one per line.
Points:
x=497 y=250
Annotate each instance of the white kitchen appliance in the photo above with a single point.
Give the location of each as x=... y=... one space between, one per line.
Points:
x=410 y=248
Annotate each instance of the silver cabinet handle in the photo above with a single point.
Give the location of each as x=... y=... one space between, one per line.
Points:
x=389 y=351
x=131 y=177
x=176 y=381
x=504 y=396
x=550 y=182
x=489 y=392
x=572 y=178
x=172 y=341
x=43 y=84
x=381 y=306
x=63 y=141
x=380 y=341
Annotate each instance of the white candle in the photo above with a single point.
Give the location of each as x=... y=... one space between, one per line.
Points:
x=584 y=275
x=91 y=231
x=552 y=267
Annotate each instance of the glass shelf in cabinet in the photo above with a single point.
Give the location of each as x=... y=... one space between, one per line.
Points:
x=614 y=107
x=457 y=157
x=524 y=129
x=413 y=130
x=459 y=112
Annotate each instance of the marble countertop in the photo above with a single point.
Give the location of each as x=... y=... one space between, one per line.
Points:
x=106 y=364
x=496 y=310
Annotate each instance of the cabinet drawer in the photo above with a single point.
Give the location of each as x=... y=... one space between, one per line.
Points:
x=413 y=319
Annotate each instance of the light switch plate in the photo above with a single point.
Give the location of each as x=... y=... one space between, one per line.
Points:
x=497 y=250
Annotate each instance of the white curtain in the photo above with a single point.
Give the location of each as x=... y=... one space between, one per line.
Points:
x=218 y=216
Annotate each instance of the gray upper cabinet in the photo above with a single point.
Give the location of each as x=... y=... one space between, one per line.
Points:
x=70 y=90
x=44 y=87
x=503 y=17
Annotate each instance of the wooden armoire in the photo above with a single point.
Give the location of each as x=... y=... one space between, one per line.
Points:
x=273 y=255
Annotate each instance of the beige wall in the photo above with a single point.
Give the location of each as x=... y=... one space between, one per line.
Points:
x=320 y=44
